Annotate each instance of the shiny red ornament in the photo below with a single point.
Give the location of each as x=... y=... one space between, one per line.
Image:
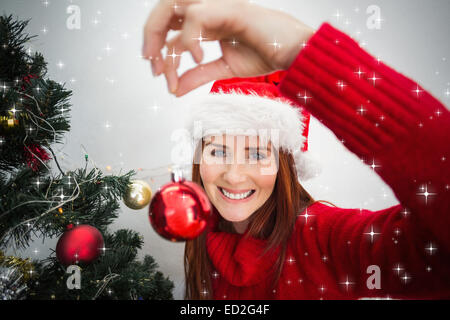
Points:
x=80 y=244
x=179 y=211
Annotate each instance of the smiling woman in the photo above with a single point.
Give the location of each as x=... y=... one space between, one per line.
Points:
x=257 y=216
x=250 y=177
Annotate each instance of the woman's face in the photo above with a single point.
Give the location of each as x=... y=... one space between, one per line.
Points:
x=238 y=174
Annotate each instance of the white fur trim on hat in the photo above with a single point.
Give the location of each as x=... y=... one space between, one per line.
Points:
x=251 y=114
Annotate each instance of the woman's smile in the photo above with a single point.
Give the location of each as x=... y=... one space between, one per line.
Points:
x=236 y=196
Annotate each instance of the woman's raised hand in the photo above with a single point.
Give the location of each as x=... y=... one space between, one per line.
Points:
x=254 y=40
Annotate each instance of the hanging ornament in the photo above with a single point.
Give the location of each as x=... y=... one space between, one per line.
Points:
x=79 y=244
x=31 y=159
x=180 y=210
x=8 y=122
x=138 y=195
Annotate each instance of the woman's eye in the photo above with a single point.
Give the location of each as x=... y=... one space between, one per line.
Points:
x=217 y=153
x=258 y=156
x=222 y=153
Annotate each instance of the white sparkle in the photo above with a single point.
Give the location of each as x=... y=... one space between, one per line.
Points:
x=373 y=165
x=108 y=48
x=361 y=110
x=372 y=233
x=337 y=15
x=60 y=64
x=406 y=278
x=417 y=91
x=200 y=38
x=374 y=79
x=103 y=249
x=275 y=44
x=341 y=84
x=233 y=42
x=425 y=193
x=4 y=87
x=347 y=283
x=359 y=73
x=204 y=292
x=306 y=216
x=14 y=110
x=447 y=93
x=173 y=55
x=398 y=268
x=155 y=107
x=304 y=97
x=430 y=249
x=62 y=196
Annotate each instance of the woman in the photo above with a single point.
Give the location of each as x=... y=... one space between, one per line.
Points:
x=271 y=239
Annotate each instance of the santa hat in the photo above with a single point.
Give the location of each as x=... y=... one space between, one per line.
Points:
x=238 y=105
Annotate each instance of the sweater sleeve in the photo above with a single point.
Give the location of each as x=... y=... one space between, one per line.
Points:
x=388 y=121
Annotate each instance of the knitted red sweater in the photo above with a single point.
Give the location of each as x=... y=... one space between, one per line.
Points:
x=399 y=252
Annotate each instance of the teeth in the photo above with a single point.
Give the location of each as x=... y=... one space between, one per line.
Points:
x=236 y=196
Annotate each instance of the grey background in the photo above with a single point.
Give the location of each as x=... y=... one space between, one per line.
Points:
x=123 y=117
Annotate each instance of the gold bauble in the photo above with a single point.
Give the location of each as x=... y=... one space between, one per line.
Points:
x=138 y=195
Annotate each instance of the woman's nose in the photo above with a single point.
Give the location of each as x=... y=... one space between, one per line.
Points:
x=235 y=174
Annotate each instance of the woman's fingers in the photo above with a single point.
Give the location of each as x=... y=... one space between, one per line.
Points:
x=202 y=74
x=173 y=57
x=191 y=36
x=166 y=14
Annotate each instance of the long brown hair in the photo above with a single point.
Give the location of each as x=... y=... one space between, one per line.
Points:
x=274 y=221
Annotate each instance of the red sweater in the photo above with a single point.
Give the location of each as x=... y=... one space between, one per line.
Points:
x=404 y=130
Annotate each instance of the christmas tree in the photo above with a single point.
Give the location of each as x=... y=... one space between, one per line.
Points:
x=77 y=206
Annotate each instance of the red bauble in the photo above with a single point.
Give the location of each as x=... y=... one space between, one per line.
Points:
x=79 y=244
x=179 y=211
x=31 y=158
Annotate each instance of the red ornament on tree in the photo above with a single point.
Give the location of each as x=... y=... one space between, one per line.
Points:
x=32 y=160
x=180 y=210
x=79 y=244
